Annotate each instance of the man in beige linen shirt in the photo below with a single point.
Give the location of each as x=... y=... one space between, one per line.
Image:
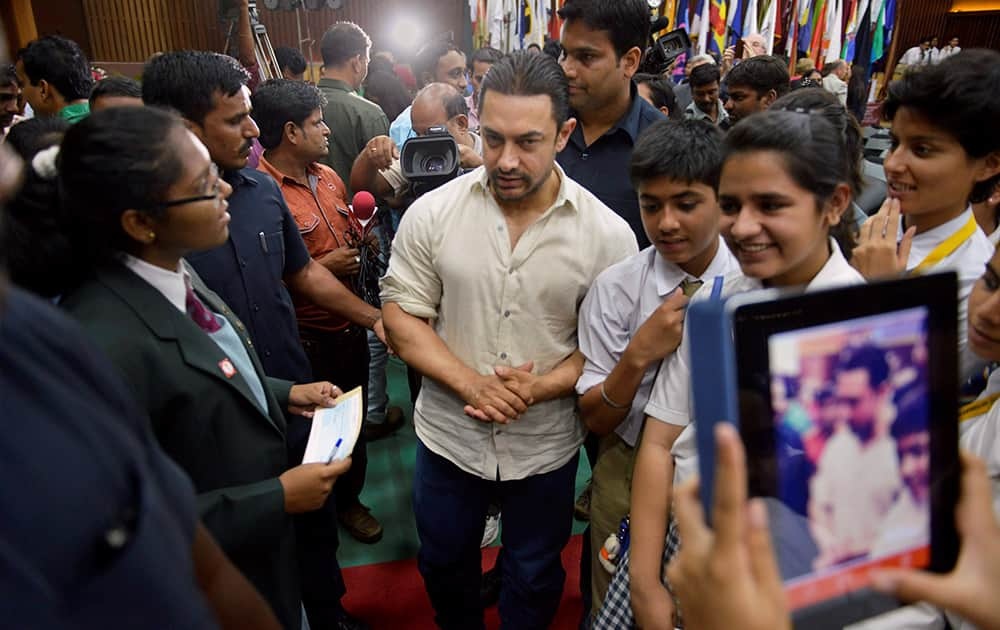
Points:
x=481 y=297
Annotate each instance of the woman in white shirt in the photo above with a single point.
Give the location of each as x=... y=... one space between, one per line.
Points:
x=783 y=191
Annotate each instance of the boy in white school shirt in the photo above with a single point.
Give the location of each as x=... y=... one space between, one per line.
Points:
x=632 y=316
x=945 y=155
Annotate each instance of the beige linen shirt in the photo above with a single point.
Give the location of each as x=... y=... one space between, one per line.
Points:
x=452 y=263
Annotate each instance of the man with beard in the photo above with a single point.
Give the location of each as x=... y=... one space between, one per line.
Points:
x=481 y=298
x=847 y=503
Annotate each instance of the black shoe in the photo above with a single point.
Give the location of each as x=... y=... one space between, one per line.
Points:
x=489 y=588
x=394 y=419
x=347 y=622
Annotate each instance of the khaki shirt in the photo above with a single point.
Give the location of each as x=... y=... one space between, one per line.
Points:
x=452 y=262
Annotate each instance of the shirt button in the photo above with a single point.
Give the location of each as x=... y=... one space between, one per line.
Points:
x=499 y=228
x=243 y=262
x=506 y=313
x=267 y=353
x=510 y=271
x=256 y=308
x=584 y=156
x=503 y=355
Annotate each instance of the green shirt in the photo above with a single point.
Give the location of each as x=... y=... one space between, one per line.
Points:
x=353 y=121
x=75 y=113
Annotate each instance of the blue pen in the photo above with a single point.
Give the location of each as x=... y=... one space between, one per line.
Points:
x=335 y=447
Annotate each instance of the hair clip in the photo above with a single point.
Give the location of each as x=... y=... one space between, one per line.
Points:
x=44 y=162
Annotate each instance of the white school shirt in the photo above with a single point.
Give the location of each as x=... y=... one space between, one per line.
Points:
x=670 y=398
x=620 y=301
x=968 y=261
x=491 y=304
x=915 y=57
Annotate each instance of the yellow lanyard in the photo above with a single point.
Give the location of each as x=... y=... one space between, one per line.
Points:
x=947 y=246
x=977 y=407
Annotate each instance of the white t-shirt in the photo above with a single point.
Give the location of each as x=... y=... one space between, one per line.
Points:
x=670 y=399
x=968 y=261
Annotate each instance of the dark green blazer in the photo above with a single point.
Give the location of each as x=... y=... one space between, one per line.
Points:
x=210 y=424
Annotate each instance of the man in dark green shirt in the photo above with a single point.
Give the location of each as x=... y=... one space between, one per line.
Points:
x=352 y=120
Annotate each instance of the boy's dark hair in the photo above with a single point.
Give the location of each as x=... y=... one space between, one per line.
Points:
x=115 y=86
x=685 y=151
x=188 y=81
x=61 y=63
x=761 y=74
x=818 y=101
x=911 y=412
x=625 y=21
x=485 y=54
x=343 y=41
x=553 y=49
x=280 y=101
x=8 y=75
x=705 y=74
x=290 y=58
x=868 y=358
x=958 y=95
x=526 y=74
x=813 y=152
x=662 y=92
x=426 y=62
x=28 y=137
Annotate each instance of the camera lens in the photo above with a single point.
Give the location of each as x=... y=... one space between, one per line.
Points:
x=434 y=164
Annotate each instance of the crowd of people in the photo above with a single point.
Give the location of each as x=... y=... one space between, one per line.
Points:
x=188 y=284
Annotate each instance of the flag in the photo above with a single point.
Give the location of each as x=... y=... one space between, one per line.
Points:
x=769 y=25
x=818 y=26
x=890 y=21
x=805 y=24
x=791 y=49
x=830 y=50
x=878 y=35
x=700 y=26
x=734 y=22
x=683 y=13
x=717 y=13
x=857 y=13
x=750 y=24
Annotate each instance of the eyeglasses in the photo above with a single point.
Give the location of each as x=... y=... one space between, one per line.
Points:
x=212 y=189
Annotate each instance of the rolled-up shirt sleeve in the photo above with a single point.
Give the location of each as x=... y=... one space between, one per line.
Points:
x=412 y=281
x=602 y=332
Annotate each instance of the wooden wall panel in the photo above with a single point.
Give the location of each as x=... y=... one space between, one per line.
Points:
x=918 y=18
x=132 y=30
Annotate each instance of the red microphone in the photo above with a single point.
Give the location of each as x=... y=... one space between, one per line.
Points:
x=363 y=208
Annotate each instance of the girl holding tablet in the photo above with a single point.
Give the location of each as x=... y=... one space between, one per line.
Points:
x=784 y=188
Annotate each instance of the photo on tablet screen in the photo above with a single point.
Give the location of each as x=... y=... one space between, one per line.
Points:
x=850 y=476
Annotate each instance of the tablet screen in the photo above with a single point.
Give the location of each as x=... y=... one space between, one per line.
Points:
x=849 y=480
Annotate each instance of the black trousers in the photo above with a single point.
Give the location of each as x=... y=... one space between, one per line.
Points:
x=342 y=359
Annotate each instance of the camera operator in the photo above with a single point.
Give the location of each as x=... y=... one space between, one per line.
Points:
x=378 y=169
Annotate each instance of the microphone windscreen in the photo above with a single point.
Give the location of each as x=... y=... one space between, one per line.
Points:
x=363 y=205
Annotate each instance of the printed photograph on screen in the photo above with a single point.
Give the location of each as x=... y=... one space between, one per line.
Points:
x=852 y=442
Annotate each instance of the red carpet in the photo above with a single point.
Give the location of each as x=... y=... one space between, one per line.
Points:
x=391 y=595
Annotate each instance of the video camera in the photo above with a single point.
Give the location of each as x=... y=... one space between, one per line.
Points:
x=664 y=51
x=430 y=161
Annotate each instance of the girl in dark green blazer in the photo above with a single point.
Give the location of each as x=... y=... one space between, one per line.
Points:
x=140 y=193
